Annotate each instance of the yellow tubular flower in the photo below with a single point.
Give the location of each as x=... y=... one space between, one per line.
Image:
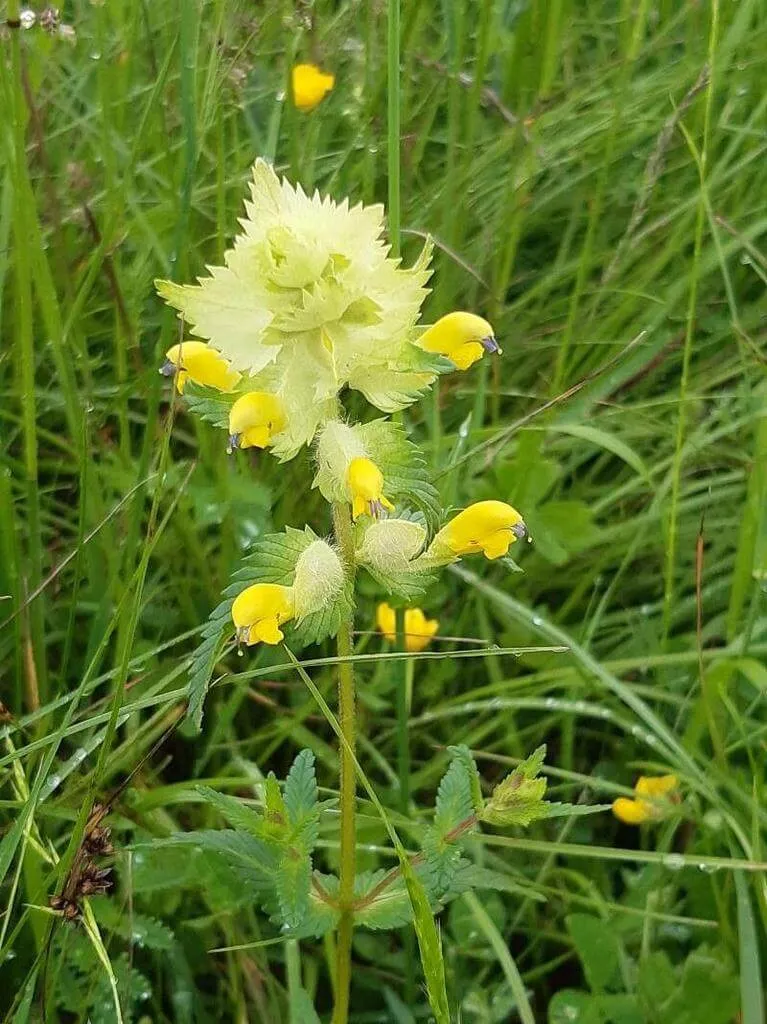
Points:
x=654 y=797
x=260 y=610
x=462 y=337
x=365 y=482
x=487 y=526
x=418 y=629
x=199 y=363
x=254 y=419
x=310 y=86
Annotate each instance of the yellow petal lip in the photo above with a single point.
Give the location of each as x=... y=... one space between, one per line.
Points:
x=254 y=419
x=198 y=362
x=365 y=484
x=310 y=86
x=655 y=797
x=260 y=610
x=657 y=786
x=462 y=337
x=487 y=526
x=418 y=629
x=630 y=812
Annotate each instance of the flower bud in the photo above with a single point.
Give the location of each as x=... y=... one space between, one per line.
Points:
x=337 y=447
x=319 y=578
x=391 y=545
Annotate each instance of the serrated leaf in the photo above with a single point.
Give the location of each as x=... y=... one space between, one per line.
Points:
x=472 y=876
x=454 y=803
x=404 y=469
x=292 y=882
x=390 y=908
x=248 y=859
x=234 y=811
x=465 y=756
x=518 y=799
x=300 y=798
x=441 y=860
x=211 y=406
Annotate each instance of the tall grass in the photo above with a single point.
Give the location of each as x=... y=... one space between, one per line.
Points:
x=592 y=174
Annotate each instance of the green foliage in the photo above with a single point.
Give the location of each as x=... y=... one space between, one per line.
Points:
x=273 y=560
x=518 y=799
x=404 y=469
x=207 y=403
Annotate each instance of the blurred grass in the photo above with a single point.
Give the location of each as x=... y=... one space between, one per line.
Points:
x=591 y=173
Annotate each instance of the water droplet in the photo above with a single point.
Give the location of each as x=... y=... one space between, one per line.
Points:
x=580 y=707
x=281 y=96
x=537 y=620
x=645 y=609
x=79 y=755
x=550 y=702
x=95 y=55
x=27 y=18
x=673 y=861
x=708 y=869
x=11 y=954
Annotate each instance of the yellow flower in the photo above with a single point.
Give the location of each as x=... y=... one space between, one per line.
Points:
x=462 y=337
x=199 y=363
x=254 y=419
x=487 y=526
x=260 y=610
x=365 y=482
x=310 y=86
x=654 y=799
x=418 y=629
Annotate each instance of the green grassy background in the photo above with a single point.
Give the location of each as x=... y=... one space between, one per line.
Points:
x=594 y=176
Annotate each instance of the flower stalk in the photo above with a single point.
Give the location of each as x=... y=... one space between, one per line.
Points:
x=344 y=535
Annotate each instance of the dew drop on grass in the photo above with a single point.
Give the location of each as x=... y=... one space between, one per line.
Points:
x=537 y=620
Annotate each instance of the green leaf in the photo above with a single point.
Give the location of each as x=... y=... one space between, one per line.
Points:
x=454 y=803
x=706 y=993
x=465 y=756
x=404 y=469
x=292 y=882
x=239 y=858
x=428 y=943
x=752 y=994
x=390 y=908
x=471 y=876
x=573 y=1007
x=234 y=811
x=210 y=405
x=597 y=948
x=441 y=860
x=518 y=799
x=300 y=798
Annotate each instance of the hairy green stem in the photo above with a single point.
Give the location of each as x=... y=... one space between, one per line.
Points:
x=342 y=526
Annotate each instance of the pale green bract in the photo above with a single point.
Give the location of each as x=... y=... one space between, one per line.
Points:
x=310 y=302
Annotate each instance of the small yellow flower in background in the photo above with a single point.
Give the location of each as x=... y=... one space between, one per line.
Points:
x=260 y=610
x=198 y=362
x=254 y=419
x=418 y=629
x=654 y=800
x=487 y=526
x=365 y=481
x=310 y=86
x=462 y=337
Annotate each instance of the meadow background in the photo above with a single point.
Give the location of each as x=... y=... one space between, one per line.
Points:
x=594 y=176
